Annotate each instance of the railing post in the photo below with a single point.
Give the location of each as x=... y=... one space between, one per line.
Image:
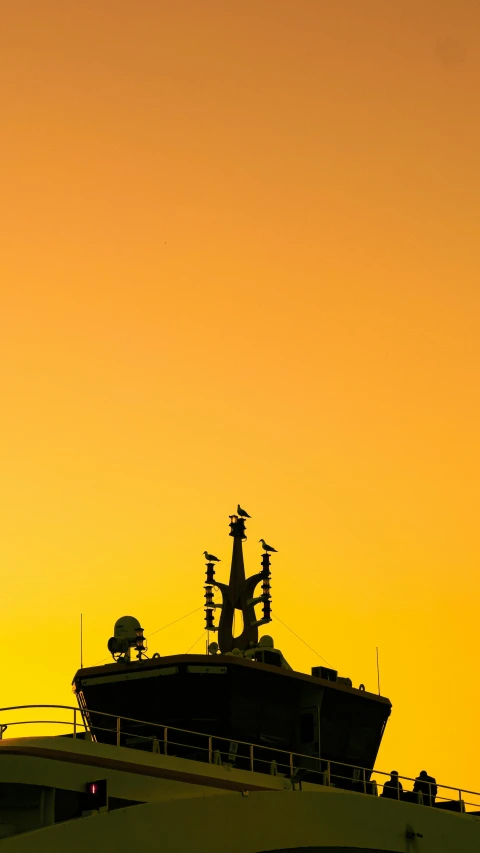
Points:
x=291 y=764
x=328 y=773
x=364 y=781
x=165 y=739
x=118 y=730
x=210 y=749
x=74 y=722
x=251 y=756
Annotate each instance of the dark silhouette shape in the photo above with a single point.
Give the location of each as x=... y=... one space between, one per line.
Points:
x=211 y=557
x=267 y=547
x=242 y=512
x=240 y=595
x=393 y=788
x=427 y=786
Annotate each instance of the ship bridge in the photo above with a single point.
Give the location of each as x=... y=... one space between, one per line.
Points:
x=243 y=689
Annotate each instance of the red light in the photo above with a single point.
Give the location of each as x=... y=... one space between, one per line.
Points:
x=97 y=792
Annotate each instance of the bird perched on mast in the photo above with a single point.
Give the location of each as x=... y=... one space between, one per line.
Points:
x=242 y=513
x=267 y=547
x=211 y=557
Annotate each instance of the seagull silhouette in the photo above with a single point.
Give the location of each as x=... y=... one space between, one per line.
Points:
x=242 y=513
x=211 y=557
x=267 y=547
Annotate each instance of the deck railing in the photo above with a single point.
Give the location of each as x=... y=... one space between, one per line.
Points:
x=298 y=768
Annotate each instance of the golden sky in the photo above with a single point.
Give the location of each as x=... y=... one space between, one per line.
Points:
x=239 y=262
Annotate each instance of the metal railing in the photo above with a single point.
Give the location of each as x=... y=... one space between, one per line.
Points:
x=298 y=768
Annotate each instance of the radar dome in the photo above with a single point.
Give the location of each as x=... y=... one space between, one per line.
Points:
x=126 y=628
x=126 y=634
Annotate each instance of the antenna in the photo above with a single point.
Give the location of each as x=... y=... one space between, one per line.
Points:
x=81 y=640
x=378 y=673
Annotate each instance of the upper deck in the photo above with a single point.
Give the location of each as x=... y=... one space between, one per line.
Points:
x=243 y=700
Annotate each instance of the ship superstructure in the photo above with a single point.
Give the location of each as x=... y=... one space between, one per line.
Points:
x=243 y=690
x=226 y=751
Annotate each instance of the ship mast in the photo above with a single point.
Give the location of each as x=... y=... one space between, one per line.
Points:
x=238 y=595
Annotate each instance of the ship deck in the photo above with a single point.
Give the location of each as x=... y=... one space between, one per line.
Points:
x=207 y=756
x=201 y=800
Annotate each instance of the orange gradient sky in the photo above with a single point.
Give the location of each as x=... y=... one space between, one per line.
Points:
x=239 y=262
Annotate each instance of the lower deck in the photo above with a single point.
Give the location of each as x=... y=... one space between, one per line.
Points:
x=259 y=822
x=153 y=799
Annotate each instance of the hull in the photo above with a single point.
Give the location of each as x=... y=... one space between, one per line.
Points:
x=260 y=823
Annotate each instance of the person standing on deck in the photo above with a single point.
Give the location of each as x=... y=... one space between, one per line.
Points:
x=393 y=788
x=427 y=786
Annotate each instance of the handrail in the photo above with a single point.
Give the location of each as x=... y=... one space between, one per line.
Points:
x=327 y=769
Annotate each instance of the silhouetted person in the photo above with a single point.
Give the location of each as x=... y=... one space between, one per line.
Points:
x=427 y=786
x=393 y=788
